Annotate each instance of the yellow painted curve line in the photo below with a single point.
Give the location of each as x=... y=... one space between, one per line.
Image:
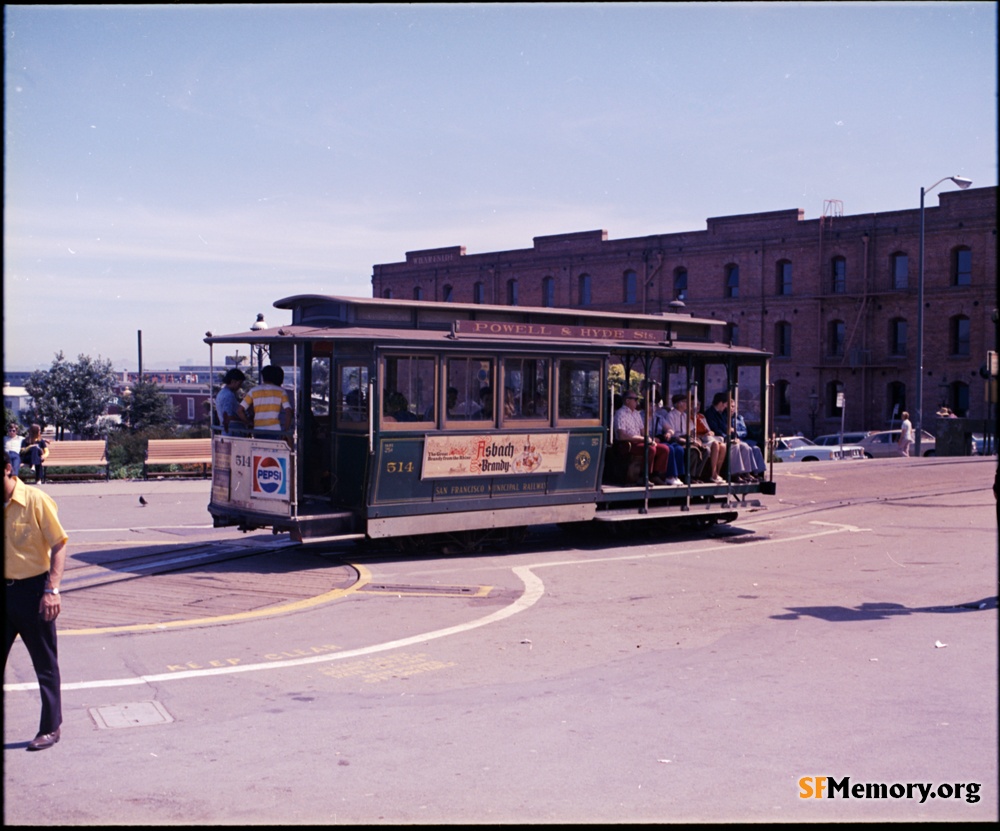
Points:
x=364 y=577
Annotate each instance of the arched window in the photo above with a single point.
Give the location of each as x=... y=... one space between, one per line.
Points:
x=895 y=400
x=387 y=294
x=897 y=337
x=784 y=278
x=418 y=293
x=583 y=290
x=839 y=275
x=833 y=391
x=732 y=287
x=479 y=293
x=961 y=266
x=783 y=399
x=958 y=398
x=960 y=335
x=733 y=334
x=899 y=266
x=783 y=339
x=447 y=293
x=836 y=334
x=630 y=280
x=512 y=292
x=680 y=283
x=548 y=292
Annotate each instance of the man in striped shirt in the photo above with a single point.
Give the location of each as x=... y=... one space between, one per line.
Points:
x=266 y=406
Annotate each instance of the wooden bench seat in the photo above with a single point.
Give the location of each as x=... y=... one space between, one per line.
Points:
x=63 y=454
x=178 y=452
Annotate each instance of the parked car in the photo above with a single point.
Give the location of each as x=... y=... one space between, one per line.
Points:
x=834 y=438
x=882 y=443
x=983 y=445
x=799 y=449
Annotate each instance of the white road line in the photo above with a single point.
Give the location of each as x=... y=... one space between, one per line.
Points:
x=533 y=591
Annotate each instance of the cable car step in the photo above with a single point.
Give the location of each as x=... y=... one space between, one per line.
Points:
x=672 y=511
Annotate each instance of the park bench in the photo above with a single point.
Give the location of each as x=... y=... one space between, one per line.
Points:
x=178 y=452
x=65 y=454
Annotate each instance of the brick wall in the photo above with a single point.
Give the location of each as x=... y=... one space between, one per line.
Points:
x=841 y=330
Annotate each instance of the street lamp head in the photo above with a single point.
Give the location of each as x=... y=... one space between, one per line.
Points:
x=259 y=323
x=961 y=181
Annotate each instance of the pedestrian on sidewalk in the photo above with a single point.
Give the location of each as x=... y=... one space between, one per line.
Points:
x=34 y=557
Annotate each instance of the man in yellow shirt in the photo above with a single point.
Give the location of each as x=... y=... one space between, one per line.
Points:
x=34 y=557
x=267 y=402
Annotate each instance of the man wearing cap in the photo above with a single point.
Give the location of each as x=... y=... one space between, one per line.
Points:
x=629 y=427
x=34 y=556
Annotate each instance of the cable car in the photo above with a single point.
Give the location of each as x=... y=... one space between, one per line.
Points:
x=414 y=418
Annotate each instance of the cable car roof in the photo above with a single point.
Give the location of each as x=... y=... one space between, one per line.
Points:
x=428 y=338
x=331 y=318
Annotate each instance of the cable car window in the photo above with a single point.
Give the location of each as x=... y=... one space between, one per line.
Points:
x=408 y=391
x=525 y=389
x=470 y=389
x=319 y=387
x=580 y=389
x=749 y=399
x=352 y=396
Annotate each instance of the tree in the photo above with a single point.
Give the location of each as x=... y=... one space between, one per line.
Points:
x=616 y=379
x=72 y=395
x=147 y=407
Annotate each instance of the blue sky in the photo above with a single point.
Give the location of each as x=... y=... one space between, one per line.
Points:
x=176 y=169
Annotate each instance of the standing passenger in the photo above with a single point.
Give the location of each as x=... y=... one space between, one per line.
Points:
x=226 y=402
x=34 y=556
x=272 y=410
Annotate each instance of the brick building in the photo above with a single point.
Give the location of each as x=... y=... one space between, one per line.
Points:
x=834 y=299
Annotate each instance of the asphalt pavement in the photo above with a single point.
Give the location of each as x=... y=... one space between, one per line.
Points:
x=845 y=639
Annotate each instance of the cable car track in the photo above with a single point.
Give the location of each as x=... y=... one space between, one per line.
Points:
x=80 y=577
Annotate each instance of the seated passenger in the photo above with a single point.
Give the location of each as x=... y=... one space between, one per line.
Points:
x=746 y=463
x=450 y=403
x=485 y=403
x=664 y=465
x=354 y=406
x=12 y=447
x=399 y=409
x=509 y=404
x=702 y=458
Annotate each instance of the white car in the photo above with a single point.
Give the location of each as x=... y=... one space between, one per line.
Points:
x=882 y=443
x=836 y=438
x=799 y=449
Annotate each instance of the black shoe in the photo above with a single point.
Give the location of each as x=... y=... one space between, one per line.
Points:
x=44 y=740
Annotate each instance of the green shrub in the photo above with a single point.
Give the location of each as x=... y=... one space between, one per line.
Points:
x=127 y=471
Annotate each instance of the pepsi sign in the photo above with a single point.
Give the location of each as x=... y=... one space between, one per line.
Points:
x=270 y=476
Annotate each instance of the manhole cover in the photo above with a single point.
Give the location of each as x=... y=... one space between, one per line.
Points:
x=139 y=714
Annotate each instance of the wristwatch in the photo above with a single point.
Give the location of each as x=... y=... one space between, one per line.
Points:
x=51 y=591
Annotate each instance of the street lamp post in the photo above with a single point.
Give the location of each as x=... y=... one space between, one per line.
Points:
x=918 y=424
x=257 y=326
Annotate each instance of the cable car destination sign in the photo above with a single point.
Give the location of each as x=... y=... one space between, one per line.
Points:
x=558 y=331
